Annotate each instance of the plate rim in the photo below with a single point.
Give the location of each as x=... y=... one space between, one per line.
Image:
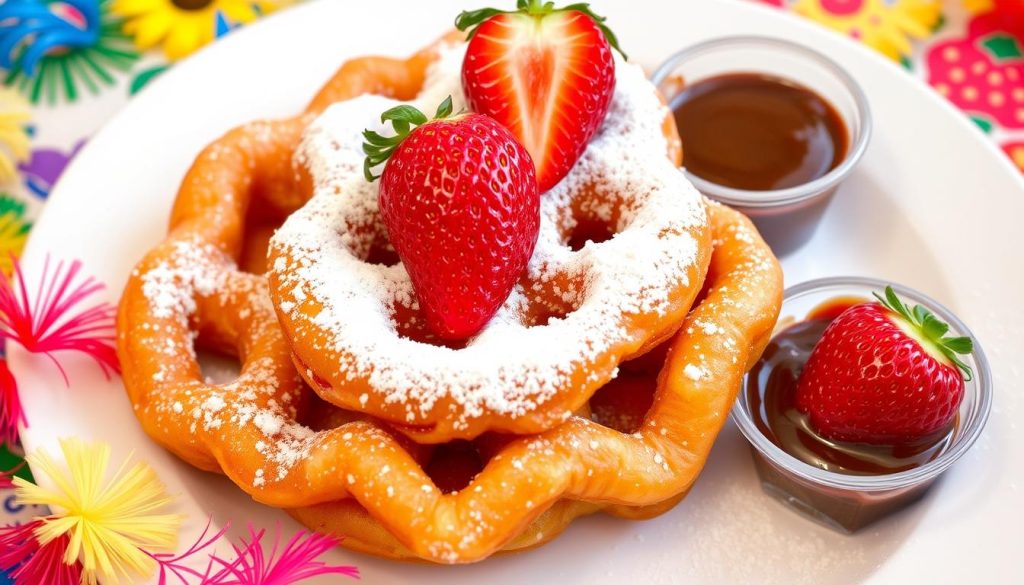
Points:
x=297 y=12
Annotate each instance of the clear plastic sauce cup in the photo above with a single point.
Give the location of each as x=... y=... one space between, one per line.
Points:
x=788 y=217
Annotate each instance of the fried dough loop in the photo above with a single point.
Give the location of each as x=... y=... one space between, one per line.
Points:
x=357 y=333
x=362 y=471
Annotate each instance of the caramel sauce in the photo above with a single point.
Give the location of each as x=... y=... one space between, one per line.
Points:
x=758 y=132
x=772 y=398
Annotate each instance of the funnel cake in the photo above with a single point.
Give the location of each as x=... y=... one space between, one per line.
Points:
x=355 y=327
x=633 y=450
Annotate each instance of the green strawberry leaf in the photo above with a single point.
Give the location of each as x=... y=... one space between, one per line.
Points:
x=931 y=329
x=404 y=113
x=445 y=109
x=599 y=21
x=403 y=118
x=985 y=124
x=470 y=20
x=960 y=344
x=920 y=313
x=374 y=139
x=1002 y=47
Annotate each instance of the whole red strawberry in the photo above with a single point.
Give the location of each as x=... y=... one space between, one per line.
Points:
x=883 y=373
x=546 y=73
x=459 y=198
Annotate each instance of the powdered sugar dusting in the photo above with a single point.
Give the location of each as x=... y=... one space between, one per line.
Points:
x=171 y=286
x=509 y=368
x=260 y=397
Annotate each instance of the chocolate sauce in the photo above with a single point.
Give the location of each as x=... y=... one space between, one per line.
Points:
x=758 y=132
x=772 y=397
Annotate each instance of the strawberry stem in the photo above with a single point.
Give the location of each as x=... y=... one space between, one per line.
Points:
x=932 y=328
x=403 y=119
x=470 y=20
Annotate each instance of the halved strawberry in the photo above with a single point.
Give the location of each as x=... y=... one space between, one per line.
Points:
x=546 y=73
x=884 y=373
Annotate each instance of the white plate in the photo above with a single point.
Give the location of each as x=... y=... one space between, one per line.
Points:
x=934 y=205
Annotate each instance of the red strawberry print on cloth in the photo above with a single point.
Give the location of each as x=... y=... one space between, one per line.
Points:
x=982 y=73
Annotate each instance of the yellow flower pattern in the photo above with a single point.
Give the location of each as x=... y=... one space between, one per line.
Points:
x=886 y=25
x=13 y=232
x=14 y=140
x=109 y=519
x=182 y=26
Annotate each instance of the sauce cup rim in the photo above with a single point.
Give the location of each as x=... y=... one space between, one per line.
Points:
x=780 y=197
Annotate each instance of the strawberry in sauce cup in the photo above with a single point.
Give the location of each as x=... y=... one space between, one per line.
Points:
x=862 y=399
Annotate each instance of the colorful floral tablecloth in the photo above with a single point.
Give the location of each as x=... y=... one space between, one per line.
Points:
x=67 y=66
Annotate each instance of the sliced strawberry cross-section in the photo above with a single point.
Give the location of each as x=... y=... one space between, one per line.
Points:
x=545 y=73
